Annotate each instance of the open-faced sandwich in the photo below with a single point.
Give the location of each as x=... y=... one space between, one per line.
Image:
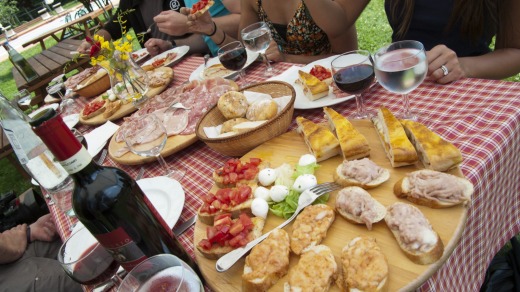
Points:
x=319 y=139
x=160 y=77
x=434 y=152
x=234 y=171
x=311 y=226
x=267 y=262
x=353 y=144
x=228 y=200
x=363 y=266
x=414 y=234
x=358 y=207
x=93 y=108
x=202 y=6
x=322 y=73
x=316 y=270
x=362 y=173
x=434 y=189
x=399 y=150
x=227 y=234
x=313 y=88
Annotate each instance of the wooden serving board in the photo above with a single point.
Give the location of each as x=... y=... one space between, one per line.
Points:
x=174 y=144
x=403 y=273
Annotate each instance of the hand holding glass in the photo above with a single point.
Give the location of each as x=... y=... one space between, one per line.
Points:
x=233 y=56
x=353 y=73
x=400 y=68
x=257 y=37
x=147 y=137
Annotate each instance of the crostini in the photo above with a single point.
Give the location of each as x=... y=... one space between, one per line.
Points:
x=357 y=206
x=316 y=271
x=228 y=200
x=311 y=226
x=235 y=171
x=362 y=173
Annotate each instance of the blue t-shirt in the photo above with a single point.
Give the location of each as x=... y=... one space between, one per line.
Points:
x=429 y=26
x=218 y=9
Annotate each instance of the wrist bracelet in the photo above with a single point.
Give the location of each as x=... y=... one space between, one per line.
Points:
x=223 y=39
x=28 y=234
x=214 y=30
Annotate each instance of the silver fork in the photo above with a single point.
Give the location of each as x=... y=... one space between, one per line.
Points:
x=306 y=198
x=149 y=30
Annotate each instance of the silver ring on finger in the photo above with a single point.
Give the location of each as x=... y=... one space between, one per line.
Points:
x=444 y=70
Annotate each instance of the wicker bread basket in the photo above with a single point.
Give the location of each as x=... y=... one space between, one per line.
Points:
x=95 y=88
x=240 y=144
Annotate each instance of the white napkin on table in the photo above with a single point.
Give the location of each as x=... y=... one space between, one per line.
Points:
x=289 y=75
x=98 y=137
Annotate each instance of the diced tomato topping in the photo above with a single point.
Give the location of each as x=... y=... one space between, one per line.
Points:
x=226 y=232
x=255 y=161
x=222 y=216
x=236 y=228
x=320 y=72
x=234 y=170
x=205 y=244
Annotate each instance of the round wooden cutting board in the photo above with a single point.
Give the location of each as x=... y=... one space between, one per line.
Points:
x=403 y=274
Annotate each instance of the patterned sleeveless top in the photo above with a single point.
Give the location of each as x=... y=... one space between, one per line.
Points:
x=303 y=36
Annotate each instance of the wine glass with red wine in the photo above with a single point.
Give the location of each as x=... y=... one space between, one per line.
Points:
x=146 y=136
x=164 y=272
x=233 y=56
x=400 y=68
x=86 y=261
x=353 y=73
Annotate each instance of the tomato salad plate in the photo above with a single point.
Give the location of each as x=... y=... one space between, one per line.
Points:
x=167 y=58
x=302 y=102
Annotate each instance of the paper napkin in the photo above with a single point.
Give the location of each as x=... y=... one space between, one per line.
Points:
x=97 y=138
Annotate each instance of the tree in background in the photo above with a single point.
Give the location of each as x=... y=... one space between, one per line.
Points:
x=8 y=8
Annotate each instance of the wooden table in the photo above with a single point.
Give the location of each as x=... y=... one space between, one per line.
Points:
x=49 y=64
x=481 y=117
x=80 y=25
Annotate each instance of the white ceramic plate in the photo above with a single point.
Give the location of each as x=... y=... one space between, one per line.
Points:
x=52 y=105
x=141 y=54
x=301 y=101
x=181 y=51
x=197 y=74
x=71 y=120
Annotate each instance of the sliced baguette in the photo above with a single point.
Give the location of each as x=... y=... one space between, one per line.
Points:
x=316 y=270
x=319 y=139
x=353 y=144
x=357 y=206
x=267 y=262
x=398 y=148
x=400 y=217
x=434 y=152
x=363 y=266
x=350 y=173
x=311 y=226
x=247 y=126
x=245 y=207
x=434 y=189
x=217 y=251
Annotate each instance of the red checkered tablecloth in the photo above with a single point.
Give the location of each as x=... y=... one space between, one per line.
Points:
x=481 y=117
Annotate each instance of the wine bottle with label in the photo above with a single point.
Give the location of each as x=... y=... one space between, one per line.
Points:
x=108 y=201
x=20 y=63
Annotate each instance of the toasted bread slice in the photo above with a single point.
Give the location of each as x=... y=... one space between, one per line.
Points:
x=267 y=262
x=313 y=88
x=353 y=144
x=321 y=141
x=217 y=251
x=311 y=226
x=358 y=207
x=362 y=173
x=434 y=152
x=245 y=207
x=363 y=266
x=316 y=270
x=414 y=234
x=434 y=189
x=111 y=108
x=398 y=148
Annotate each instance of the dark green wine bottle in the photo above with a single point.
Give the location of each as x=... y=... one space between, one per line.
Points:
x=20 y=63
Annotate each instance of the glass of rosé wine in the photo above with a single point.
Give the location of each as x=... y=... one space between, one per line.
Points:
x=164 y=272
x=86 y=261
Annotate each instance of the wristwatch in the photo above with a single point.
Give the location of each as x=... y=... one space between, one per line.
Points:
x=28 y=234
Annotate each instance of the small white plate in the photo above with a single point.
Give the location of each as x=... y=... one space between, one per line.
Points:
x=197 y=74
x=71 y=120
x=301 y=101
x=181 y=51
x=52 y=105
x=141 y=54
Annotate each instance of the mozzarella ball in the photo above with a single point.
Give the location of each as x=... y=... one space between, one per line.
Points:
x=304 y=181
x=262 y=193
x=278 y=193
x=307 y=159
x=267 y=176
x=259 y=208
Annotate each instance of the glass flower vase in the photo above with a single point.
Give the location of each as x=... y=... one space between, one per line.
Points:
x=128 y=81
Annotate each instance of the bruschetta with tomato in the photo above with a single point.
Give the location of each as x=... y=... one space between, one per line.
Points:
x=236 y=172
x=227 y=234
x=227 y=200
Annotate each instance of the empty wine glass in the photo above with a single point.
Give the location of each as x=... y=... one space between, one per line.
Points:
x=164 y=272
x=257 y=37
x=233 y=56
x=86 y=261
x=147 y=137
x=353 y=73
x=400 y=68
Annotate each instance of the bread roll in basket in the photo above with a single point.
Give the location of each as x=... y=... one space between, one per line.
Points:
x=240 y=144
